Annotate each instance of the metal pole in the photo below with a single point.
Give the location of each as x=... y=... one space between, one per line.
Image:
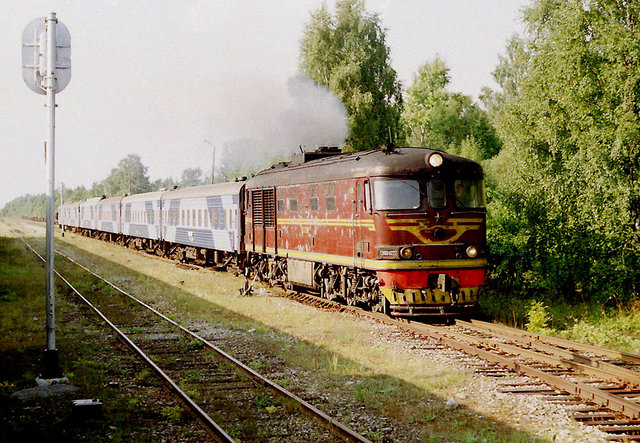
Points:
x=51 y=366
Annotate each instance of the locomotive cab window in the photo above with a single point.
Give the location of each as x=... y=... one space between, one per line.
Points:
x=396 y=194
x=437 y=194
x=331 y=203
x=469 y=193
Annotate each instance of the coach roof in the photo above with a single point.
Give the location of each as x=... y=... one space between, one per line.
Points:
x=204 y=191
x=111 y=200
x=147 y=196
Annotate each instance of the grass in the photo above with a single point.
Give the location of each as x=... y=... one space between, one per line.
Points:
x=89 y=357
x=614 y=327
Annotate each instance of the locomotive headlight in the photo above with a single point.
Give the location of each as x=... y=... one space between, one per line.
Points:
x=472 y=252
x=406 y=253
x=435 y=160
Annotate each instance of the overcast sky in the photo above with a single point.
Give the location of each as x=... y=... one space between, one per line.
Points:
x=158 y=78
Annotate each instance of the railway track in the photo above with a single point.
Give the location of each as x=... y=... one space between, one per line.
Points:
x=601 y=385
x=230 y=394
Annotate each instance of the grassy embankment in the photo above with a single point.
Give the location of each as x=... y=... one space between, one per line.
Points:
x=616 y=326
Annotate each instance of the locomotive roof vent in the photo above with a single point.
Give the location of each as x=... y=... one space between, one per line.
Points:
x=388 y=148
x=321 y=152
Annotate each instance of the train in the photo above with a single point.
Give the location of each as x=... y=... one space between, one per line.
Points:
x=399 y=230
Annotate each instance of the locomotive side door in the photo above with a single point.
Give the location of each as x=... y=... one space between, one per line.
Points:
x=263 y=219
x=269 y=220
x=359 y=219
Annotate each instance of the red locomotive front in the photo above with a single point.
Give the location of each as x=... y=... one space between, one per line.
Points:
x=398 y=230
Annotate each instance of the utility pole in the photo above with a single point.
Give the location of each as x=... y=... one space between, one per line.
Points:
x=213 y=160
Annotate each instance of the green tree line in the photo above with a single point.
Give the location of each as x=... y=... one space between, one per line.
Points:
x=128 y=177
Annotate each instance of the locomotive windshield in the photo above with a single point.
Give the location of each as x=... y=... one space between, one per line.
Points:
x=437 y=194
x=469 y=193
x=396 y=194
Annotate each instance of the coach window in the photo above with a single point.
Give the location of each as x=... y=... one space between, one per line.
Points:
x=396 y=194
x=313 y=204
x=437 y=192
x=280 y=205
x=293 y=204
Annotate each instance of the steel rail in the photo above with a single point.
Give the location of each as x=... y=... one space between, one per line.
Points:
x=212 y=428
x=330 y=423
x=605 y=373
x=609 y=353
x=628 y=408
x=580 y=390
x=568 y=357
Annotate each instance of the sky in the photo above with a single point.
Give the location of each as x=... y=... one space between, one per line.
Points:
x=167 y=80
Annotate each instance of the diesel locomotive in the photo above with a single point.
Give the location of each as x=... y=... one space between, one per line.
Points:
x=396 y=230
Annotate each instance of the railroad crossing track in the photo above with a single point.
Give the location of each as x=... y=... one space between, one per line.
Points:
x=602 y=384
x=228 y=390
